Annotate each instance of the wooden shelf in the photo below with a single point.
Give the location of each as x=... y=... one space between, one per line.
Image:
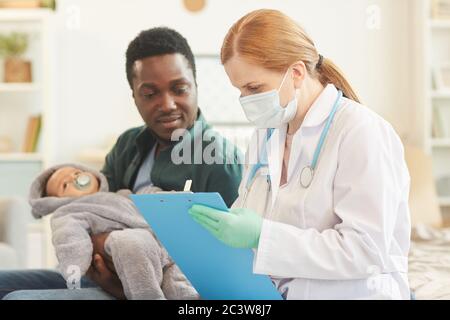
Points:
x=24 y=15
x=18 y=87
x=19 y=168
x=21 y=157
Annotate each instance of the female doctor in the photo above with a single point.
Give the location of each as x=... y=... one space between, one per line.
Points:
x=324 y=198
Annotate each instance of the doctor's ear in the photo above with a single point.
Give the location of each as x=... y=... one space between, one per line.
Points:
x=299 y=72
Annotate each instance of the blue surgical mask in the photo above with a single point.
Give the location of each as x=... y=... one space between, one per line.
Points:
x=264 y=110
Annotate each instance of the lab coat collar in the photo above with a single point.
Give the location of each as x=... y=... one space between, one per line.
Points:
x=321 y=108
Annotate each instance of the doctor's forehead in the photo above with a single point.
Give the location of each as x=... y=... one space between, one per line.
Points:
x=241 y=72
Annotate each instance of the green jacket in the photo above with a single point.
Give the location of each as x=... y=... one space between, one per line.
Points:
x=123 y=162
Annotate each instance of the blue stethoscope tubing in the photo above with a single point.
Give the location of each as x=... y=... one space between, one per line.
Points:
x=307 y=174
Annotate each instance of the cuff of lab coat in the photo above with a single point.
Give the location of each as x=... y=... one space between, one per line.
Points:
x=265 y=249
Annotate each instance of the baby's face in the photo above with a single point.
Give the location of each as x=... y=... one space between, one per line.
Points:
x=63 y=183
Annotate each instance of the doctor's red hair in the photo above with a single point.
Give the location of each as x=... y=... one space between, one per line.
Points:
x=274 y=41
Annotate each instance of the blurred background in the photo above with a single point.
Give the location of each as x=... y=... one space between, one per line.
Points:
x=64 y=94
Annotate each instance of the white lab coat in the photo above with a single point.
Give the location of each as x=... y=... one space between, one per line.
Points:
x=348 y=235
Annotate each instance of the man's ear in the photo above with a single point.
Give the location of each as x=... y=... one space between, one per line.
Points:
x=299 y=72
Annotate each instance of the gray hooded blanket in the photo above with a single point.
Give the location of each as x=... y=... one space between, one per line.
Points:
x=142 y=264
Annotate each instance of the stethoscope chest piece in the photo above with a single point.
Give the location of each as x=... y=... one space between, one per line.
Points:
x=306 y=177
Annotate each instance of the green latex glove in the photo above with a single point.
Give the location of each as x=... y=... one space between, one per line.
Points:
x=240 y=228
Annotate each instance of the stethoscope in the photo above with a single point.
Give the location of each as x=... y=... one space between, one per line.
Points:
x=307 y=173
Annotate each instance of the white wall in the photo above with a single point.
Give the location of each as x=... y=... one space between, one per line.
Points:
x=93 y=98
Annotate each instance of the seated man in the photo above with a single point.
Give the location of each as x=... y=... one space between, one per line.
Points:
x=162 y=75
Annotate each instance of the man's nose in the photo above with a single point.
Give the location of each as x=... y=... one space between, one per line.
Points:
x=168 y=103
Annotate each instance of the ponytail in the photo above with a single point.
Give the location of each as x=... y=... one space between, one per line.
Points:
x=328 y=72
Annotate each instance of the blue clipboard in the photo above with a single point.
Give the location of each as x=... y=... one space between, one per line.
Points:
x=216 y=271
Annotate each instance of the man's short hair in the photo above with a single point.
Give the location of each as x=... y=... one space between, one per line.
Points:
x=156 y=42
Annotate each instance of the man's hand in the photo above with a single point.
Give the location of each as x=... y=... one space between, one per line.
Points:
x=102 y=270
x=98 y=242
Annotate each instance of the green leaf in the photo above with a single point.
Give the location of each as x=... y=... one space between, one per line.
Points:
x=14 y=44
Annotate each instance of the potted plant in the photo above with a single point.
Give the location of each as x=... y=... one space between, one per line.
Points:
x=12 y=48
x=48 y=4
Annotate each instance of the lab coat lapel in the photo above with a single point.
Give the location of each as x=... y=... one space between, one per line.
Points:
x=275 y=150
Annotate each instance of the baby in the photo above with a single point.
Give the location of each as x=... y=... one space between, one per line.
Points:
x=81 y=205
x=71 y=182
